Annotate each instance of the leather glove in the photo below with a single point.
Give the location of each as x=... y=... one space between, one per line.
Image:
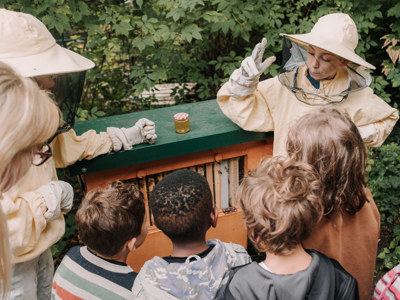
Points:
x=244 y=80
x=367 y=132
x=58 y=196
x=144 y=131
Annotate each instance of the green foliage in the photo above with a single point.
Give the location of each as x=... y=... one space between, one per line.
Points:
x=137 y=44
x=384 y=183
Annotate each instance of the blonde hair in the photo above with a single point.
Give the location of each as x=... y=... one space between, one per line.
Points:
x=28 y=119
x=330 y=141
x=281 y=203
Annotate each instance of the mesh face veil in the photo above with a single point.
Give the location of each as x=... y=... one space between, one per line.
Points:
x=295 y=76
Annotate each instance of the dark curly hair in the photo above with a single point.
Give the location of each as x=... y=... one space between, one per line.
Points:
x=181 y=204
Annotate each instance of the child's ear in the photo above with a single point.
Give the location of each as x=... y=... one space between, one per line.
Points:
x=214 y=216
x=131 y=244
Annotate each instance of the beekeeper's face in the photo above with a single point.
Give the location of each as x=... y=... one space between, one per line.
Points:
x=323 y=65
x=46 y=82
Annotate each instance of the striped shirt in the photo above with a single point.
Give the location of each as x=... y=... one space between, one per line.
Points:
x=83 y=275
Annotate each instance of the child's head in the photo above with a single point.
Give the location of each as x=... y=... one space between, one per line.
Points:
x=108 y=218
x=28 y=119
x=281 y=203
x=330 y=141
x=181 y=205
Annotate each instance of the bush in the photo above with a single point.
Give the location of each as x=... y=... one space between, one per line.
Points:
x=384 y=183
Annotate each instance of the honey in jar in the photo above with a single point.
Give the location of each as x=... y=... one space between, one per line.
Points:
x=181 y=122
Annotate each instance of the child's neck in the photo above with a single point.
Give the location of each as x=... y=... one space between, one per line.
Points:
x=296 y=261
x=188 y=248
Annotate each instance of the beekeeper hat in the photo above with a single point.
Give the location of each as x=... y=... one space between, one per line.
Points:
x=336 y=33
x=28 y=47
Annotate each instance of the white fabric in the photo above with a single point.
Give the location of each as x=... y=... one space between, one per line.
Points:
x=244 y=80
x=336 y=33
x=28 y=47
x=273 y=107
x=58 y=196
x=144 y=131
x=367 y=132
x=32 y=279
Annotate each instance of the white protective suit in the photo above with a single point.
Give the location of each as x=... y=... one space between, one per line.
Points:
x=29 y=232
x=273 y=107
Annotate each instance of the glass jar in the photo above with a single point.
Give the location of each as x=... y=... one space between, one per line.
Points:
x=181 y=122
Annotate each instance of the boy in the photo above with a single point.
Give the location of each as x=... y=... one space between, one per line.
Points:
x=182 y=207
x=319 y=68
x=111 y=223
x=281 y=202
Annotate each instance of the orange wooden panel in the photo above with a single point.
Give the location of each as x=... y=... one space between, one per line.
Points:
x=230 y=228
x=254 y=151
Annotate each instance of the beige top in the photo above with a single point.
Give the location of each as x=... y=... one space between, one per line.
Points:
x=30 y=233
x=352 y=241
x=273 y=107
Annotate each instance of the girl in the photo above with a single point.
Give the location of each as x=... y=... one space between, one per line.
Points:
x=349 y=230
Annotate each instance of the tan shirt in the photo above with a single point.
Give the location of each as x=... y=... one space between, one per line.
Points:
x=352 y=241
x=30 y=233
x=273 y=107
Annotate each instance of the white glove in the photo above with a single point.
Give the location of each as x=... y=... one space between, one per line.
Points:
x=144 y=131
x=244 y=80
x=58 y=196
x=367 y=132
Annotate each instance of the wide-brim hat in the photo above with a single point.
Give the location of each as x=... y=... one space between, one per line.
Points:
x=28 y=47
x=335 y=33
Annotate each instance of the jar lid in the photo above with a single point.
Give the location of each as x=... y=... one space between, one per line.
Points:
x=181 y=116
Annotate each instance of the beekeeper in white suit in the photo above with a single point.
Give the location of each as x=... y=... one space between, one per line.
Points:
x=319 y=68
x=34 y=206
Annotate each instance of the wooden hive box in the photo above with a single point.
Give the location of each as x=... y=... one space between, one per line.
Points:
x=215 y=147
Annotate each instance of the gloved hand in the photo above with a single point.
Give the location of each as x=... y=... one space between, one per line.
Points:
x=367 y=132
x=58 y=196
x=244 y=80
x=144 y=131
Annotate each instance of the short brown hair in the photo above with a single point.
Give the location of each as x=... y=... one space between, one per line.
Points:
x=109 y=217
x=330 y=141
x=281 y=202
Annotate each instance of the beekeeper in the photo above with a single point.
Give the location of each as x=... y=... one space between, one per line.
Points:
x=29 y=48
x=319 y=68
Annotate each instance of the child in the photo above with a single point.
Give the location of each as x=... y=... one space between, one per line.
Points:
x=182 y=207
x=281 y=203
x=27 y=46
x=111 y=223
x=318 y=68
x=349 y=230
x=22 y=104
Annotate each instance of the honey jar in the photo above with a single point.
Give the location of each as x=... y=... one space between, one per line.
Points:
x=181 y=122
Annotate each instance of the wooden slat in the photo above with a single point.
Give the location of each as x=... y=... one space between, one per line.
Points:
x=217 y=184
x=210 y=178
x=233 y=179
x=224 y=184
x=143 y=189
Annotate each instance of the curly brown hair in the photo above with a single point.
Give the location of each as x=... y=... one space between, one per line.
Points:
x=330 y=141
x=109 y=217
x=281 y=203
